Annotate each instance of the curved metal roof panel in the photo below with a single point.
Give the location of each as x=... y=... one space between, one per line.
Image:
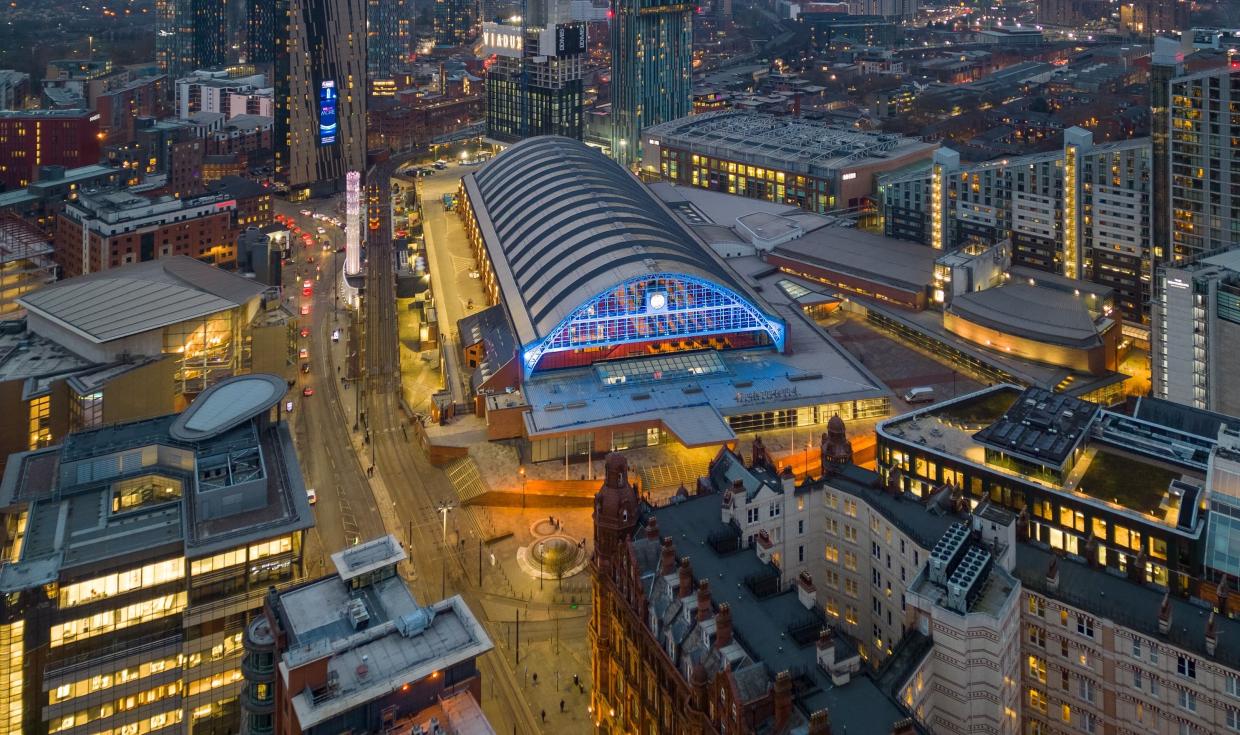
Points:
x=562 y=223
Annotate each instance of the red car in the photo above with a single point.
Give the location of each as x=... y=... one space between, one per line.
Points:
x=305 y=332
x=307 y=291
x=308 y=391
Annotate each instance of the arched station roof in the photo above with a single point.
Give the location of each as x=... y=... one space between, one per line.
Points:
x=563 y=223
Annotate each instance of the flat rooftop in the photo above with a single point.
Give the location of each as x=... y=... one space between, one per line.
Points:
x=1112 y=468
x=898 y=263
x=25 y=355
x=787 y=143
x=400 y=641
x=69 y=490
x=1040 y=425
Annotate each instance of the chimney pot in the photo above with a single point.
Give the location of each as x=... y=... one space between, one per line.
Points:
x=723 y=626
x=819 y=723
x=704 y=611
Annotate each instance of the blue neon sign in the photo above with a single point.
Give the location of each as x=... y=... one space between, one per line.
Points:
x=327 y=113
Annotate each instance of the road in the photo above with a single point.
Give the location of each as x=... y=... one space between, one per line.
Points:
x=345 y=511
x=405 y=477
x=405 y=491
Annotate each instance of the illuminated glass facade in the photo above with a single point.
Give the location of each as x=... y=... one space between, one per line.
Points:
x=755 y=182
x=655 y=308
x=532 y=95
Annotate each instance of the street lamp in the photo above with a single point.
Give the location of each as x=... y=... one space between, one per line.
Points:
x=521 y=471
x=443 y=509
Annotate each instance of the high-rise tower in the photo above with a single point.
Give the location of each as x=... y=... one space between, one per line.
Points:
x=651 y=63
x=534 y=86
x=190 y=34
x=260 y=27
x=455 y=21
x=320 y=81
x=1203 y=163
x=389 y=36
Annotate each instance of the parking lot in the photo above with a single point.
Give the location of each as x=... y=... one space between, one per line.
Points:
x=899 y=366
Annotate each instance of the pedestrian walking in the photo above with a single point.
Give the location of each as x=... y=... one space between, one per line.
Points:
x=535 y=678
x=576 y=680
x=561 y=706
x=544 y=715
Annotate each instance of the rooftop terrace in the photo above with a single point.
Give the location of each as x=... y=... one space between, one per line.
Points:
x=1104 y=461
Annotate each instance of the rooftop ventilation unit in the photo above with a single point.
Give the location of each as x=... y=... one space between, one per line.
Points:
x=357 y=613
x=947 y=553
x=413 y=623
x=965 y=584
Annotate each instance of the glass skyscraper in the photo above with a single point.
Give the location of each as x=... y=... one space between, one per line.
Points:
x=651 y=68
x=190 y=34
x=455 y=21
x=389 y=36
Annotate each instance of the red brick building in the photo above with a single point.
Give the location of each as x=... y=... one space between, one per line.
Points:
x=712 y=643
x=127 y=228
x=119 y=108
x=405 y=120
x=33 y=138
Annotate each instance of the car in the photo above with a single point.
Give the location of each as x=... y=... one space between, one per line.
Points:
x=321 y=230
x=312 y=496
x=307 y=391
x=310 y=260
x=305 y=367
x=307 y=292
x=303 y=353
x=305 y=212
x=305 y=331
x=305 y=309
x=335 y=335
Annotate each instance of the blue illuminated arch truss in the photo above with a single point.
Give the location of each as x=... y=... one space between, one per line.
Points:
x=654 y=307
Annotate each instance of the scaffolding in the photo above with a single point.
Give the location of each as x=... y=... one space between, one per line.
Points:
x=25 y=262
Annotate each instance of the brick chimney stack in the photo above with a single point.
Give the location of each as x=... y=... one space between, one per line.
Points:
x=652 y=528
x=704 y=611
x=686 y=578
x=723 y=626
x=904 y=727
x=667 y=560
x=783 y=700
x=1164 y=615
x=819 y=723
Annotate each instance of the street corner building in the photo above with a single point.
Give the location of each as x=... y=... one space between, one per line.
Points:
x=613 y=325
x=714 y=642
x=134 y=555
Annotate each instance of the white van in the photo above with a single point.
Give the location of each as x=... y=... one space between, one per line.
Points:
x=923 y=394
